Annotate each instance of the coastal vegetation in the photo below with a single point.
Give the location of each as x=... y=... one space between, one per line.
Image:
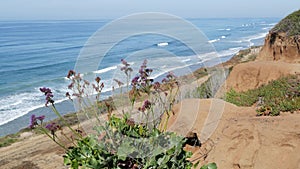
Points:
x=289 y=25
x=121 y=141
x=9 y=139
x=282 y=95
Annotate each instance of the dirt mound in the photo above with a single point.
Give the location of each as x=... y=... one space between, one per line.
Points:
x=251 y=75
x=242 y=140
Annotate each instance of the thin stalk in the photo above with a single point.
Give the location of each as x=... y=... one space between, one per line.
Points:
x=64 y=121
x=44 y=131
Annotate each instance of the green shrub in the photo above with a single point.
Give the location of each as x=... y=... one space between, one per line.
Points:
x=280 y=95
x=289 y=25
x=133 y=146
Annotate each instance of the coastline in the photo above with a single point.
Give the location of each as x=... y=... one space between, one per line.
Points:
x=239 y=132
x=67 y=107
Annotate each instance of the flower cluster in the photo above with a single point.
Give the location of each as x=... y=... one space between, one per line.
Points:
x=98 y=86
x=49 y=95
x=146 y=106
x=170 y=78
x=79 y=86
x=52 y=127
x=126 y=67
x=34 y=120
x=143 y=81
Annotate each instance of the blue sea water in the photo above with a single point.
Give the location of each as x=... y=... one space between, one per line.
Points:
x=35 y=54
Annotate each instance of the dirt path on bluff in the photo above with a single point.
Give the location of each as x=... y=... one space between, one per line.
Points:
x=242 y=140
x=236 y=139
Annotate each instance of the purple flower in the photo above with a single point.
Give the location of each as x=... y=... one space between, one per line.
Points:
x=171 y=75
x=147 y=105
x=53 y=127
x=102 y=85
x=126 y=67
x=144 y=65
x=33 y=120
x=156 y=86
x=148 y=70
x=71 y=73
x=135 y=81
x=45 y=90
x=48 y=94
x=98 y=79
x=41 y=118
x=124 y=62
x=70 y=86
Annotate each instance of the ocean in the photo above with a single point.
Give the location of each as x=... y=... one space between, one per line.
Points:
x=36 y=54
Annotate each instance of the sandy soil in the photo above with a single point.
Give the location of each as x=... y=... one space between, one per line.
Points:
x=251 y=75
x=242 y=140
x=234 y=139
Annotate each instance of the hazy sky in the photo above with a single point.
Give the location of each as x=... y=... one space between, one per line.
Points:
x=112 y=9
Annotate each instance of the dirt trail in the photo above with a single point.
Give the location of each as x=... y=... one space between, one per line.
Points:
x=242 y=140
x=32 y=153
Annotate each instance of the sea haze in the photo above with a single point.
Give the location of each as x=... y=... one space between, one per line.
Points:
x=35 y=54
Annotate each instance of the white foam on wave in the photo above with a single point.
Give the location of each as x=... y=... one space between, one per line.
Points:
x=15 y=106
x=223 y=37
x=186 y=60
x=267 y=28
x=230 y=51
x=254 y=37
x=268 y=24
x=163 y=44
x=237 y=41
x=165 y=71
x=105 y=70
x=214 y=40
x=18 y=105
x=225 y=29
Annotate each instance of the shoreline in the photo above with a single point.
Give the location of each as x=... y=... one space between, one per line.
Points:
x=239 y=132
x=69 y=110
x=66 y=107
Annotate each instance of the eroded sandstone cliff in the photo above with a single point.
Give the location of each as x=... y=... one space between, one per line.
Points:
x=283 y=41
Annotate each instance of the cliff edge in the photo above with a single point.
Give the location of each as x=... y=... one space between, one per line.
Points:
x=283 y=41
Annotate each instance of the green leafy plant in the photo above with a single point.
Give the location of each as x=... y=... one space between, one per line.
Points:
x=119 y=148
x=280 y=95
x=209 y=166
